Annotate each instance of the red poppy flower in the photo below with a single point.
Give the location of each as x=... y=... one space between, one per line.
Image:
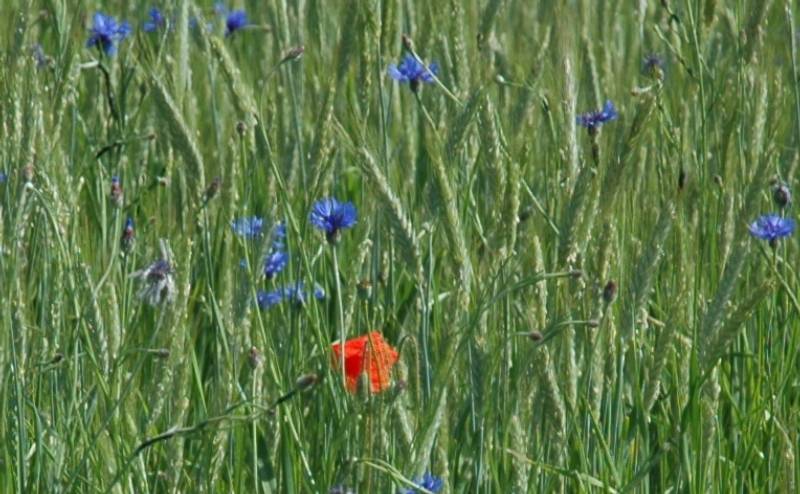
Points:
x=369 y=354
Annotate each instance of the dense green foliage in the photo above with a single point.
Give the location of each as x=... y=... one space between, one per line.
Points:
x=574 y=311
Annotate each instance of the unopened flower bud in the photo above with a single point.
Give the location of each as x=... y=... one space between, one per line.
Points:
x=128 y=236
x=213 y=188
x=306 y=381
x=28 y=172
x=408 y=44
x=293 y=54
x=535 y=336
x=781 y=195
x=116 y=194
x=255 y=358
x=365 y=288
x=610 y=292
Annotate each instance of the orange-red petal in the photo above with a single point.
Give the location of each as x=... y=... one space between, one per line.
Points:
x=368 y=353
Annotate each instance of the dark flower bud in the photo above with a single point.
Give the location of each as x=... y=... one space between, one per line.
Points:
x=255 y=358
x=28 y=172
x=576 y=273
x=525 y=214
x=610 y=292
x=212 y=189
x=116 y=194
x=365 y=288
x=306 y=381
x=781 y=195
x=293 y=54
x=408 y=44
x=128 y=236
x=535 y=336
x=241 y=128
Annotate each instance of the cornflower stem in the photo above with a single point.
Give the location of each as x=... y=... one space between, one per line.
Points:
x=340 y=305
x=112 y=107
x=427 y=115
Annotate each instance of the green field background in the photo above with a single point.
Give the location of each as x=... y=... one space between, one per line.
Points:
x=574 y=311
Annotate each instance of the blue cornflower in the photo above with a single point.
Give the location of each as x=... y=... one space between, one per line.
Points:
x=158 y=283
x=593 y=120
x=428 y=482
x=3 y=177
x=156 y=22
x=274 y=263
x=235 y=21
x=249 y=227
x=413 y=72
x=278 y=236
x=295 y=293
x=220 y=8
x=106 y=32
x=771 y=227
x=653 y=66
x=194 y=23
x=266 y=300
x=331 y=216
x=42 y=60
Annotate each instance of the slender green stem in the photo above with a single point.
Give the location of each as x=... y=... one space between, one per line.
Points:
x=340 y=311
